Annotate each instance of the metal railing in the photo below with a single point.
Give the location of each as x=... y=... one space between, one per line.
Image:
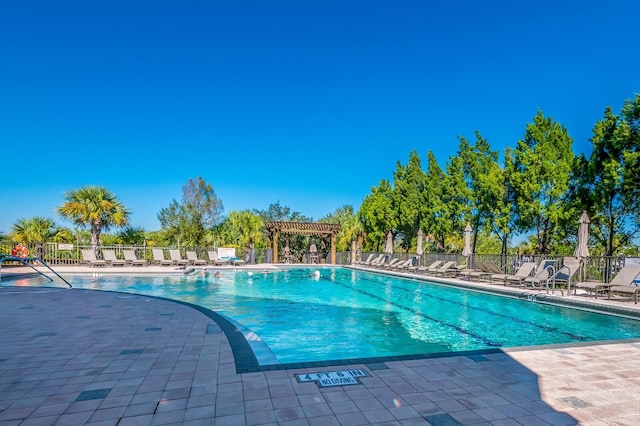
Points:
x=30 y=263
x=597 y=268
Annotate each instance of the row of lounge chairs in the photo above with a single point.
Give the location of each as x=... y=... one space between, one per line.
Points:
x=544 y=275
x=109 y=258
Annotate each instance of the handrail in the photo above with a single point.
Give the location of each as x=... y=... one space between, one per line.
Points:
x=549 y=268
x=24 y=260
x=552 y=278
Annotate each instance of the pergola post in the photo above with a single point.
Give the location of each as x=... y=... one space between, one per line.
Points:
x=333 y=249
x=275 y=247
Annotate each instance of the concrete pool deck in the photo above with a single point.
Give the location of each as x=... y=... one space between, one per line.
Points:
x=74 y=356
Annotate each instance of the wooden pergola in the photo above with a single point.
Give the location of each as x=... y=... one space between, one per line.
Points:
x=322 y=230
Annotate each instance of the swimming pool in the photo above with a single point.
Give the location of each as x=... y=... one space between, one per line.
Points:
x=345 y=314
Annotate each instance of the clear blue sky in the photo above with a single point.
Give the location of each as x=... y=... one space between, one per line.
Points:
x=302 y=102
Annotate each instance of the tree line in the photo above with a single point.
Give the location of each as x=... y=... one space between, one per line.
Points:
x=537 y=188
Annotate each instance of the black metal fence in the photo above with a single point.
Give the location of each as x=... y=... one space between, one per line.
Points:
x=597 y=268
x=600 y=268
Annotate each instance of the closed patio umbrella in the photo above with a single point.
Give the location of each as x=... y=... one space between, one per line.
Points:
x=582 y=250
x=313 y=251
x=466 y=251
x=354 y=251
x=388 y=248
x=419 y=250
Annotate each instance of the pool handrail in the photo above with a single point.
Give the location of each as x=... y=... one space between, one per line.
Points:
x=26 y=262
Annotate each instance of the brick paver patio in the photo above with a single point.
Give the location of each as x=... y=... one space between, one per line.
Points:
x=72 y=356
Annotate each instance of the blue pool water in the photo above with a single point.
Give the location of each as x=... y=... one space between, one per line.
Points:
x=346 y=314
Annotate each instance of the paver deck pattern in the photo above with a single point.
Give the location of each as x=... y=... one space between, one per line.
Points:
x=72 y=356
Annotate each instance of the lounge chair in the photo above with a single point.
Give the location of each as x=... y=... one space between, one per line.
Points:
x=441 y=270
x=192 y=257
x=523 y=272
x=563 y=276
x=158 y=257
x=481 y=272
x=236 y=261
x=131 y=258
x=215 y=260
x=424 y=269
x=367 y=261
x=449 y=269
x=176 y=258
x=377 y=261
x=544 y=270
x=111 y=258
x=89 y=256
x=390 y=263
x=622 y=283
x=403 y=265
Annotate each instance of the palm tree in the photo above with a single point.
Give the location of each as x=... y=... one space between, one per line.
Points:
x=96 y=208
x=39 y=230
x=249 y=225
x=131 y=235
x=352 y=230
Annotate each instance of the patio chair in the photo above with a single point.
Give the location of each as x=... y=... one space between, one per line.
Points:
x=215 y=260
x=437 y=271
x=192 y=257
x=377 y=261
x=158 y=257
x=523 y=272
x=622 y=283
x=111 y=258
x=390 y=263
x=89 y=256
x=131 y=258
x=563 y=276
x=423 y=269
x=449 y=269
x=176 y=258
x=236 y=261
x=544 y=270
x=403 y=265
x=367 y=261
x=481 y=272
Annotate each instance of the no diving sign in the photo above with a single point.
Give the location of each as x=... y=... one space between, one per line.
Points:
x=333 y=378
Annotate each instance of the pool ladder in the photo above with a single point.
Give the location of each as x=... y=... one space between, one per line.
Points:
x=27 y=261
